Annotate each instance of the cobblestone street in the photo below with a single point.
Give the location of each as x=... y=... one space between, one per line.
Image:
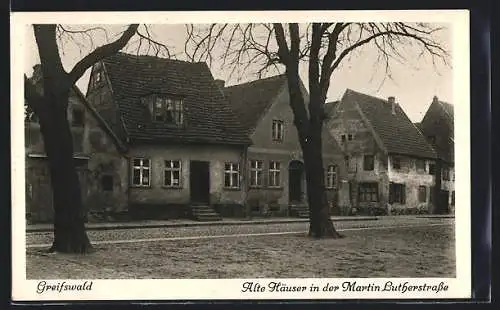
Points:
x=399 y=247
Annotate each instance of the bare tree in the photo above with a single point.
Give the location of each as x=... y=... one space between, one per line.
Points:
x=50 y=106
x=324 y=46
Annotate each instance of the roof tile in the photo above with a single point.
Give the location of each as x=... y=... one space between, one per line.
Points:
x=398 y=134
x=207 y=114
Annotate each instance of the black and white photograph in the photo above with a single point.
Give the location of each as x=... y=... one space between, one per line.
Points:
x=240 y=155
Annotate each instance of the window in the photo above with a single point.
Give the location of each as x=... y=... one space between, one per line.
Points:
x=342 y=137
x=256 y=173
x=277 y=130
x=432 y=169
x=397 y=193
x=77 y=141
x=420 y=165
x=396 y=163
x=274 y=174
x=422 y=194
x=432 y=139
x=349 y=137
x=107 y=183
x=168 y=110
x=351 y=163
x=330 y=176
x=232 y=175
x=172 y=176
x=453 y=198
x=368 y=192
x=141 y=169
x=368 y=163
x=77 y=117
x=98 y=77
x=446 y=174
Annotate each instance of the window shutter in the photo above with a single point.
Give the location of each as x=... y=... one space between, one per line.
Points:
x=403 y=193
x=391 y=193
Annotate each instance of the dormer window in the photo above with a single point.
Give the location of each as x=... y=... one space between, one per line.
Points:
x=277 y=130
x=168 y=110
x=98 y=78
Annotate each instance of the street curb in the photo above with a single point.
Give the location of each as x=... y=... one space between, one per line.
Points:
x=198 y=224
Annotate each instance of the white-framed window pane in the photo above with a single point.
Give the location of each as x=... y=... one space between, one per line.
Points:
x=176 y=176
x=235 y=180
x=145 y=177
x=168 y=178
x=136 y=176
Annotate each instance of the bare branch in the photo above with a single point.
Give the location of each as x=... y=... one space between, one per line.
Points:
x=283 y=51
x=101 y=52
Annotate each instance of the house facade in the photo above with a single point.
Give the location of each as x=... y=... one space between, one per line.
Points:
x=437 y=126
x=97 y=154
x=276 y=177
x=185 y=147
x=390 y=165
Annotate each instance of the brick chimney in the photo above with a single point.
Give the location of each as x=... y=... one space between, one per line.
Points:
x=392 y=101
x=220 y=84
x=435 y=99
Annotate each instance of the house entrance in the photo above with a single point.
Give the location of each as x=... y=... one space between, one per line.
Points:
x=295 y=181
x=442 y=205
x=199 y=182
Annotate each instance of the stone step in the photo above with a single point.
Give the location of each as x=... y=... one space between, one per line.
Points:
x=204 y=213
x=300 y=210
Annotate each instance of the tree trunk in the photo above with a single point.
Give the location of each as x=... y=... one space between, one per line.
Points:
x=69 y=213
x=321 y=225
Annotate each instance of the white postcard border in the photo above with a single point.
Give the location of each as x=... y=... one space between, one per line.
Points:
x=459 y=287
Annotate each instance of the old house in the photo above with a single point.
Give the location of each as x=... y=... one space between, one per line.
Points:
x=390 y=164
x=437 y=126
x=97 y=155
x=276 y=178
x=185 y=147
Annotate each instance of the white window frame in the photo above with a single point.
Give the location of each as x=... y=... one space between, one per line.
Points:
x=278 y=130
x=234 y=169
x=275 y=171
x=256 y=173
x=170 y=167
x=141 y=168
x=162 y=105
x=331 y=175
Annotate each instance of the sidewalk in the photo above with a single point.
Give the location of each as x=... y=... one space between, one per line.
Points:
x=191 y=223
x=224 y=222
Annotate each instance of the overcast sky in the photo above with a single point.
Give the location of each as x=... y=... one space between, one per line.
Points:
x=413 y=84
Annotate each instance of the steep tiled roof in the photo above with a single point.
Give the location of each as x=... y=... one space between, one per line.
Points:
x=398 y=134
x=330 y=106
x=442 y=113
x=448 y=108
x=208 y=118
x=251 y=100
x=36 y=79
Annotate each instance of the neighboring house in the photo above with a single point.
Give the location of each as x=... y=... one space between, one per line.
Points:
x=390 y=164
x=185 y=146
x=276 y=178
x=96 y=153
x=438 y=128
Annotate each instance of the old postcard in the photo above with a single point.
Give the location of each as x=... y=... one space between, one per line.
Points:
x=240 y=155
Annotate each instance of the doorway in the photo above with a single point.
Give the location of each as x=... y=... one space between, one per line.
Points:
x=295 y=181
x=199 y=182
